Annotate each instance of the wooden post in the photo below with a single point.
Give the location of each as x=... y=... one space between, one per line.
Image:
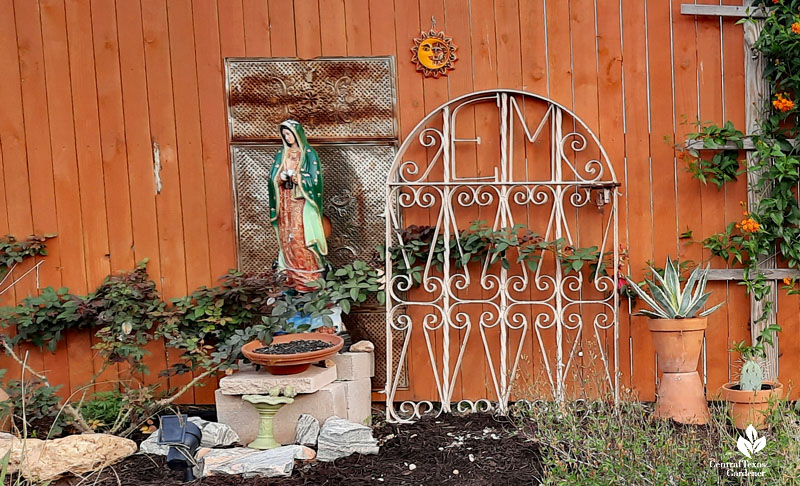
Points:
x=756 y=96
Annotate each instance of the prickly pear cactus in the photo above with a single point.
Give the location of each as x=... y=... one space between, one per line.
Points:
x=751 y=377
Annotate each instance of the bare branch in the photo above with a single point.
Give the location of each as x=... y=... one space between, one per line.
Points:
x=80 y=423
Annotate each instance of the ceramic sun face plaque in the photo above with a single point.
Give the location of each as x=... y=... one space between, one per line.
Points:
x=433 y=53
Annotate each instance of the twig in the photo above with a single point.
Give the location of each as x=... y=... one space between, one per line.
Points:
x=165 y=402
x=80 y=423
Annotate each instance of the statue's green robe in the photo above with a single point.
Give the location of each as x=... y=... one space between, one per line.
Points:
x=311 y=189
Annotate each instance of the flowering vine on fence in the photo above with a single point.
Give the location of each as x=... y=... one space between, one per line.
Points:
x=772 y=225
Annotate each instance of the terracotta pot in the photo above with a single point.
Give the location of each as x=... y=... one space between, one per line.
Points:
x=678 y=343
x=750 y=407
x=289 y=364
x=682 y=398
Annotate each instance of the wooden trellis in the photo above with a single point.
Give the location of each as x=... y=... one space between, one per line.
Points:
x=756 y=95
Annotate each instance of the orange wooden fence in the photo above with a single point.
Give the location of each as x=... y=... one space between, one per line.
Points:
x=89 y=87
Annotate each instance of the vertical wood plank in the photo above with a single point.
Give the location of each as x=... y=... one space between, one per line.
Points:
x=162 y=131
x=309 y=39
x=213 y=119
x=256 y=28
x=332 y=27
x=738 y=306
x=484 y=66
x=112 y=134
x=87 y=141
x=282 y=29
x=709 y=71
x=611 y=110
x=62 y=141
x=232 y=28
x=473 y=379
x=141 y=168
x=90 y=175
x=588 y=222
x=189 y=143
x=172 y=236
x=357 y=17
x=40 y=169
x=637 y=184
x=410 y=87
x=662 y=156
x=381 y=21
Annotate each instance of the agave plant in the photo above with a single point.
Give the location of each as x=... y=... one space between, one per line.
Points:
x=669 y=300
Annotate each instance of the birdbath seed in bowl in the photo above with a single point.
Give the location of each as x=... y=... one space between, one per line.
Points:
x=294 y=347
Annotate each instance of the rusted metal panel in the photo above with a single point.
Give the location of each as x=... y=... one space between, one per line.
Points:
x=336 y=99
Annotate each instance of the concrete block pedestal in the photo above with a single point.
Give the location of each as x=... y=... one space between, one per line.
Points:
x=322 y=393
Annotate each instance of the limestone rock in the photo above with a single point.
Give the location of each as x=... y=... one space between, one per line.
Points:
x=74 y=454
x=354 y=366
x=307 y=430
x=278 y=462
x=214 y=435
x=19 y=449
x=261 y=382
x=5 y=422
x=362 y=347
x=340 y=438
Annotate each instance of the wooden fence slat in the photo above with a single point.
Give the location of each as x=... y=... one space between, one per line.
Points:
x=282 y=28
x=256 y=28
x=611 y=110
x=190 y=149
x=112 y=135
x=456 y=22
x=382 y=36
x=712 y=200
x=637 y=185
x=232 y=27
x=189 y=143
x=309 y=38
x=170 y=209
x=738 y=306
x=12 y=144
x=87 y=138
x=357 y=17
x=332 y=28
x=40 y=169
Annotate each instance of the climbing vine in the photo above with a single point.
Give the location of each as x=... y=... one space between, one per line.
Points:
x=771 y=226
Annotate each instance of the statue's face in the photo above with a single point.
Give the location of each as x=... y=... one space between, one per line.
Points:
x=288 y=136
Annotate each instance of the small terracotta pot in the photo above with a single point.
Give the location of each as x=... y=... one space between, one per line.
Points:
x=750 y=407
x=678 y=342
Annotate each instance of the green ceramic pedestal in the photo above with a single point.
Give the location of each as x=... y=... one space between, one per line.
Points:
x=267 y=407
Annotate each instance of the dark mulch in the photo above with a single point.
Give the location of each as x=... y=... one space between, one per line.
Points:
x=296 y=346
x=482 y=448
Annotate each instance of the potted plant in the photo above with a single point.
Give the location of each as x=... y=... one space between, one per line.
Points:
x=677 y=323
x=751 y=396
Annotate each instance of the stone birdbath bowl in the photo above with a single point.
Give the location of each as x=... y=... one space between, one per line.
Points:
x=292 y=363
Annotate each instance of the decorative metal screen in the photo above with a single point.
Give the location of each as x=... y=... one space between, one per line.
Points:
x=353 y=199
x=336 y=99
x=541 y=299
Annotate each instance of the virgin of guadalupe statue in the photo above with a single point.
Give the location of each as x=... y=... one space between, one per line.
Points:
x=295 y=208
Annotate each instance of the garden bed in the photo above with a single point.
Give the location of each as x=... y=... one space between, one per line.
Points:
x=482 y=449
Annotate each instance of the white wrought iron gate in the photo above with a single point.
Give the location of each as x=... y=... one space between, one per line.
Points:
x=539 y=166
